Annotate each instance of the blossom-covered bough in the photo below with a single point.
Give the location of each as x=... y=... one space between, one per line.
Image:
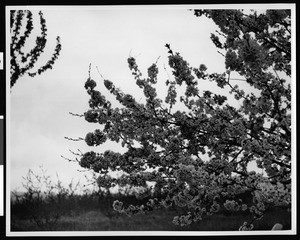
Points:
x=199 y=157
x=22 y=60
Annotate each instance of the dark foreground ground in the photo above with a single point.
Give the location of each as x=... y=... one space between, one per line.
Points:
x=92 y=214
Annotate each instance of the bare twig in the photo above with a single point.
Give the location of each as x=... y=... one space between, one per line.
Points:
x=238 y=79
x=77 y=154
x=220 y=53
x=157 y=60
x=100 y=73
x=70 y=160
x=90 y=70
x=73 y=139
x=77 y=115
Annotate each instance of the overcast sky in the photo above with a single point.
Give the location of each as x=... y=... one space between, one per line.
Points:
x=104 y=37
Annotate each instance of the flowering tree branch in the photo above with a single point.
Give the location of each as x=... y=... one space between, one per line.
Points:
x=199 y=157
x=24 y=62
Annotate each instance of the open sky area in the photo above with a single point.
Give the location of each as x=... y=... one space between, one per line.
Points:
x=39 y=107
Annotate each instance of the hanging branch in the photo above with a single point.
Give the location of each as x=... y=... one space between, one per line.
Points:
x=21 y=62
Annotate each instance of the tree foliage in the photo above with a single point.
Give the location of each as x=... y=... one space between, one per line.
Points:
x=198 y=158
x=22 y=60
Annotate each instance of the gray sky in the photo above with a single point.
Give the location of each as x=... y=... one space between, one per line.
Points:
x=104 y=37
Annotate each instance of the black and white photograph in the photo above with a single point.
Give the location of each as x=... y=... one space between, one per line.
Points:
x=150 y=120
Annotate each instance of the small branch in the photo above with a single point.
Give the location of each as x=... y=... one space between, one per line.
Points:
x=235 y=157
x=241 y=173
x=220 y=53
x=73 y=139
x=275 y=101
x=222 y=34
x=77 y=115
x=100 y=73
x=84 y=170
x=79 y=151
x=77 y=154
x=232 y=88
x=278 y=77
x=157 y=60
x=90 y=70
x=70 y=160
x=238 y=79
x=228 y=77
x=167 y=72
x=89 y=184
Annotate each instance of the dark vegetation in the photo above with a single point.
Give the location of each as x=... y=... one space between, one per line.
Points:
x=59 y=208
x=93 y=212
